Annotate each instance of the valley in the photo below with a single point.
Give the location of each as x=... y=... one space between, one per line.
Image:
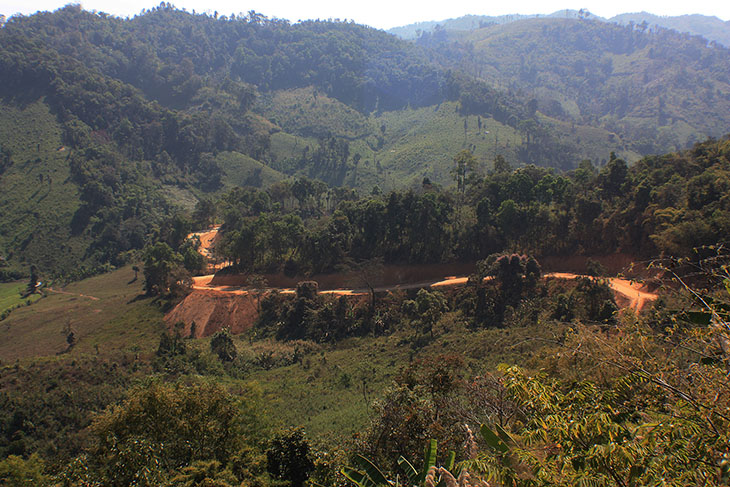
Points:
x=238 y=250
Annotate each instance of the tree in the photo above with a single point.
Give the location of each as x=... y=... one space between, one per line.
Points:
x=369 y=273
x=501 y=165
x=612 y=177
x=289 y=457
x=596 y=437
x=204 y=213
x=259 y=284
x=16 y=471
x=222 y=345
x=161 y=428
x=193 y=260
x=464 y=163
x=430 y=306
x=32 y=286
x=161 y=267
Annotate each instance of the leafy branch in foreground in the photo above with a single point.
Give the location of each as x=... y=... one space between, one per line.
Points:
x=655 y=412
x=367 y=474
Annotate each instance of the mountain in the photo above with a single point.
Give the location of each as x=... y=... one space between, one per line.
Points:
x=656 y=90
x=122 y=123
x=709 y=27
x=126 y=121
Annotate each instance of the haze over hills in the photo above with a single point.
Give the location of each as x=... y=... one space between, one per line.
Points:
x=709 y=27
x=659 y=88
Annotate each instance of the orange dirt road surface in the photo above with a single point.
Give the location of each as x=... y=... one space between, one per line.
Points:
x=207 y=239
x=633 y=291
x=215 y=307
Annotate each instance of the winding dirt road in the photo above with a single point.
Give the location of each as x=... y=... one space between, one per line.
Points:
x=207 y=239
x=634 y=292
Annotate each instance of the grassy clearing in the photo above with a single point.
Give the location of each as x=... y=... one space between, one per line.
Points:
x=398 y=149
x=117 y=320
x=331 y=390
x=595 y=144
x=241 y=170
x=38 y=199
x=11 y=297
x=307 y=112
x=423 y=142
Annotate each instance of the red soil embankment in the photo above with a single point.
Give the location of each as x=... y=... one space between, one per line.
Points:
x=214 y=310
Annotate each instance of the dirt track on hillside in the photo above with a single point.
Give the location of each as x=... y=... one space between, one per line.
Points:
x=634 y=292
x=212 y=307
x=58 y=291
x=207 y=240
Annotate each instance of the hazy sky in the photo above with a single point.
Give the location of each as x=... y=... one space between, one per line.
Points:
x=384 y=13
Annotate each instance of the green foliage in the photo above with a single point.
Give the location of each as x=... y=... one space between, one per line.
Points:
x=18 y=472
x=430 y=306
x=367 y=474
x=162 y=428
x=222 y=345
x=583 y=434
x=45 y=407
x=163 y=269
x=289 y=457
x=203 y=474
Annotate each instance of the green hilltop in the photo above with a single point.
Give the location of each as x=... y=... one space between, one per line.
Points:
x=151 y=114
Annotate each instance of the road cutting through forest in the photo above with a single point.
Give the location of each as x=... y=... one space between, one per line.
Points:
x=634 y=292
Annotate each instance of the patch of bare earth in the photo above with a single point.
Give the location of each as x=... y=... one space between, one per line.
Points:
x=213 y=310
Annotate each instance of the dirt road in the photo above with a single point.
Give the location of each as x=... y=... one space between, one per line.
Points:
x=637 y=296
x=58 y=291
x=207 y=239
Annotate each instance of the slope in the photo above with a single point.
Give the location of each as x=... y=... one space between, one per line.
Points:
x=103 y=313
x=657 y=91
x=709 y=27
x=38 y=198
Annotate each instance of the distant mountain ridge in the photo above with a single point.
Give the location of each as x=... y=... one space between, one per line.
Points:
x=657 y=87
x=709 y=27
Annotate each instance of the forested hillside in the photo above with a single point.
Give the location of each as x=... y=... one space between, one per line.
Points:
x=655 y=89
x=569 y=180
x=141 y=117
x=667 y=204
x=152 y=112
